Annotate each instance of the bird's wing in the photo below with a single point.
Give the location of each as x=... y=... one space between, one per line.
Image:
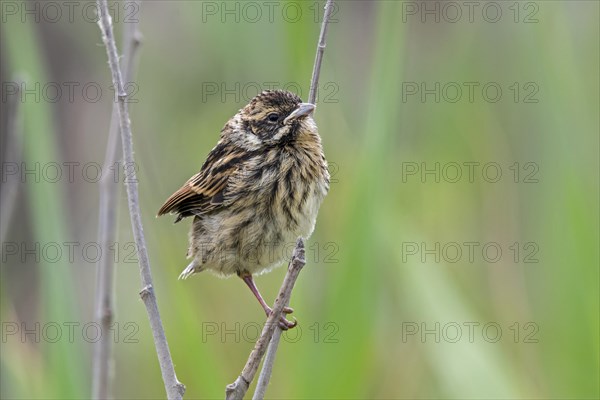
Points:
x=207 y=190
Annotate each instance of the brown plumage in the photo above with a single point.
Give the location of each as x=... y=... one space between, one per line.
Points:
x=259 y=189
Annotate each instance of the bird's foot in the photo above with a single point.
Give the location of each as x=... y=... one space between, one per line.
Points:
x=284 y=323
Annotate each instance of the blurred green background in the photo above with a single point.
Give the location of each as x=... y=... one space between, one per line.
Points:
x=404 y=294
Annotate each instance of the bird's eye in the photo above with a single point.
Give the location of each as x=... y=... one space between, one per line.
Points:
x=273 y=117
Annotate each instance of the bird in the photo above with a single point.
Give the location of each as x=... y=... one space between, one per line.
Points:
x=259 y=189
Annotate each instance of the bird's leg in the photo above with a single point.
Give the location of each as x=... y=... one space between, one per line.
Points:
x=283 y=323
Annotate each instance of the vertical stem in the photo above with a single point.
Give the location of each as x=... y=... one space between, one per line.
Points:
x=173 y=387
x=13 y=153
x=267 y=370
x=107 y=232
x=314 y=83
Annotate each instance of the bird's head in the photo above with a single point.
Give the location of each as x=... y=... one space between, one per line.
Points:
x=272 y=118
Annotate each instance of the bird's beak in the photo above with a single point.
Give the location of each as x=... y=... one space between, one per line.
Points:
x=302 y=110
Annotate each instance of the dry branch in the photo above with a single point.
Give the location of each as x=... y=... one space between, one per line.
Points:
x=267 y=370
x=238 y=389
x=314 y=82
x=107 y=232
x=173 y=387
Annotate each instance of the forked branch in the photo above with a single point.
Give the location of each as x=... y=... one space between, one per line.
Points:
x=267 y=369
x=238 y=389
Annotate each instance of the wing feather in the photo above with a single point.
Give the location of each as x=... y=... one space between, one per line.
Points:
x=207 y=190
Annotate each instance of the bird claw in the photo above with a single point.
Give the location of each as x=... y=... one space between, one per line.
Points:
x=284 y=324
x=288 y=310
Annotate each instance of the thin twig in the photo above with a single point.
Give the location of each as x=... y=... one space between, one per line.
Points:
x=314 y=83
x=13 y=154
x=107 y=231
x=174 y=389
x=238 y=389
x=267 y=369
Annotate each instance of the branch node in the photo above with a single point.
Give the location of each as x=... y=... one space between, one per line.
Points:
x=146 y=291
x=180 y=387
x=138 y=38
x=107 y=316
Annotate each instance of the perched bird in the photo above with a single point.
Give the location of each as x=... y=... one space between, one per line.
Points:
x=259 y=189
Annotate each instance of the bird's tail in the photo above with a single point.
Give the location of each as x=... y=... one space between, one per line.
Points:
x=191 y=269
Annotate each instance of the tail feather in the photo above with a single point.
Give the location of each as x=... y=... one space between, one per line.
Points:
x=191 y=269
